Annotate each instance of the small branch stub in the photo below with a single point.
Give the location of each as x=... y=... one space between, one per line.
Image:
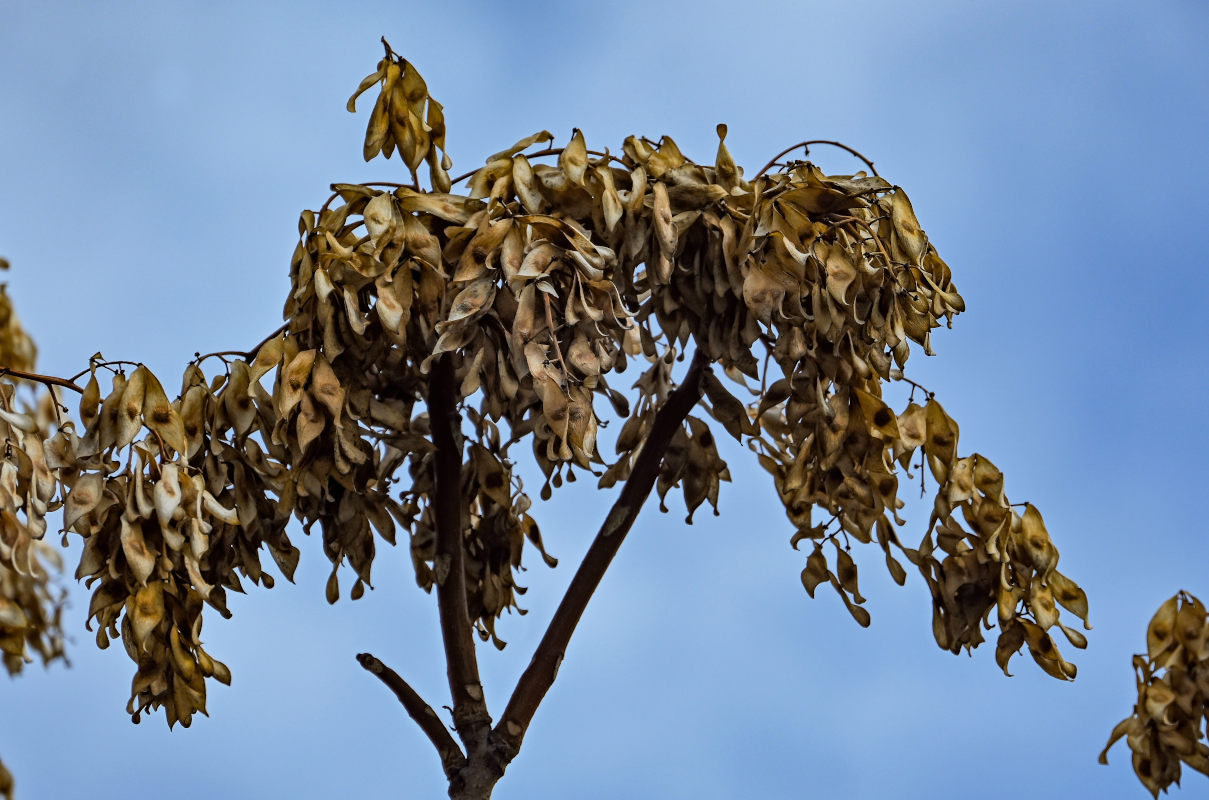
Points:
x=452 y=758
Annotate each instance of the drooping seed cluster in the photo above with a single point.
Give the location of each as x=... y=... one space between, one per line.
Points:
x=30 y=605
x=174 y=500
x=1170 y=722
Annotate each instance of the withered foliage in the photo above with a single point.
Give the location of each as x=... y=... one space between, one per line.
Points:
x=519 y=300
x=174 y=501
x=31 y=605
x=1169 y=722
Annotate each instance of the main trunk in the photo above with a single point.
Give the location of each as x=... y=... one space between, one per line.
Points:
x=476 y=790
x=478 y=777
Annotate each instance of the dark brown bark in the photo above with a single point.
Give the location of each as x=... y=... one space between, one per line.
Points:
x=452 y=759
x=470 y=717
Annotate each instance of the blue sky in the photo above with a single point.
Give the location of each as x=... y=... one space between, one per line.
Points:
x=154 y=158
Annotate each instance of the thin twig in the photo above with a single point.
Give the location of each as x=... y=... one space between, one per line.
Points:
x=554 y=338
x=772 y=162
x=881 y=247
x=922 y=388
x=59 y=407
x=49 y=380
x=246 y=355
x=470 y=716
x=549 y=151
x=327 y=203
x=107 y=365
x=452 y=758
x=539 y=675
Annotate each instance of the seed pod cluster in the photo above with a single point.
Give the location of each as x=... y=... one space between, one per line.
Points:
x=324 y=421
x=177 y=524
x=406 y=118
x=979 y=554
x=31 y=610
x=28 y=484
x=1005 y=561
x=1170 y=721
x=30 y=605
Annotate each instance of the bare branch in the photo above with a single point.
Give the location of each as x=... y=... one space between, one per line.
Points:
x=49 y=380
x=539 y=675
x=772 y=162
x=246 y=355
x=451 y=755
x=470 y=715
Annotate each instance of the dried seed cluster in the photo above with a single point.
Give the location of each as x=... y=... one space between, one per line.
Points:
x=1170 y=721
x=518 y=302
x=30 y=606
x=176 y=524
x=406 y=118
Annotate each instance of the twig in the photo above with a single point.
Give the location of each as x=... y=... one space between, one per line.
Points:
x=557 y=350
x=451 y=755
x=549 y=151
x=59 y=407
x=327 y=203
x=922 y=388
x=246 y=355
x=49 y=380
x=107 y=365
x=470 y=716
x=772 y=162
x=764 y=372
x=881 y=247
x=539 y=675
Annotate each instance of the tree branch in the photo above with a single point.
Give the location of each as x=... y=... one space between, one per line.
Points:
x=49 y=380
x=451 y=755
x=539 y=675
x=470 y=716
x=246 y=355
x=772 y=162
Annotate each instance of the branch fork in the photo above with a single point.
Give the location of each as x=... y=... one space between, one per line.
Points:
x=474 y=770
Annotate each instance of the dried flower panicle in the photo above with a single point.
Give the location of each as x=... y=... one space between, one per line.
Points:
x=174 y=500
x=1170 y=722
x=31 y=605
x=509 y=311
x=405 y=117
